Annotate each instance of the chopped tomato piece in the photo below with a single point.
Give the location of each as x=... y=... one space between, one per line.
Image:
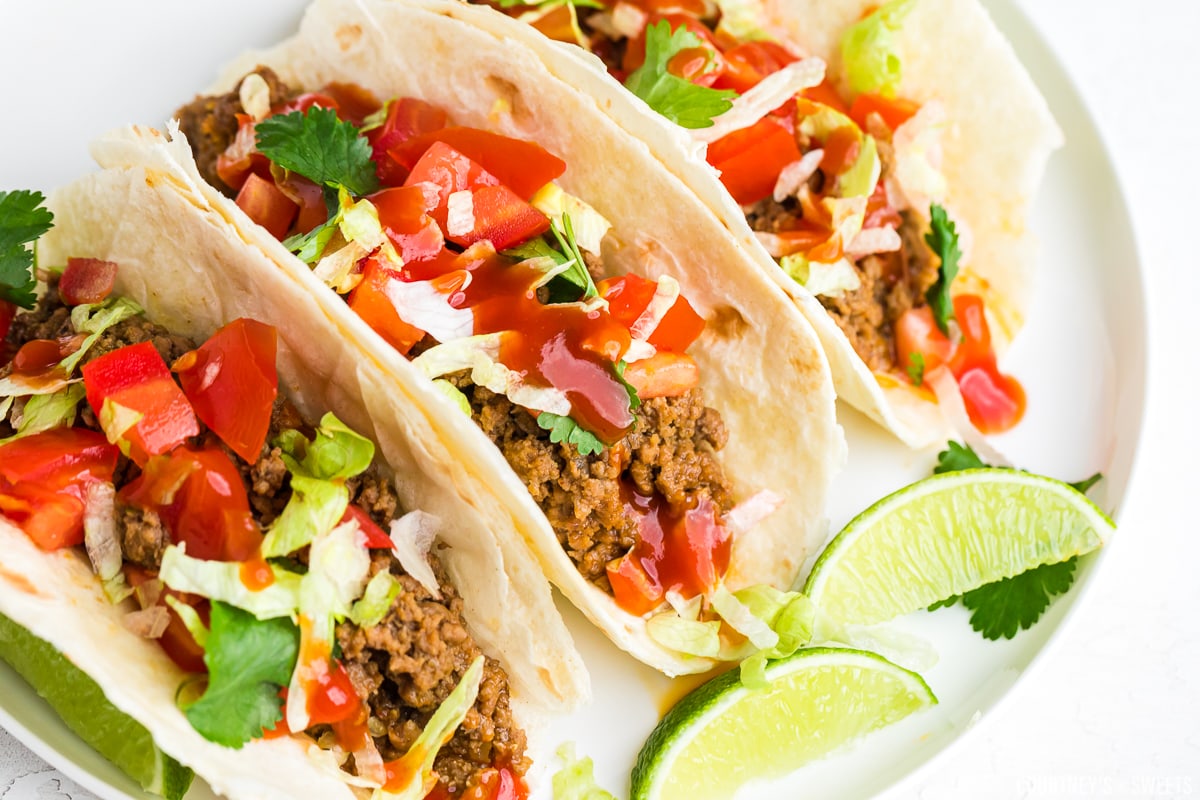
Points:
x=309 y=197
x=86 y=280
x=746 y=64
x=444 y=170
x=377 y=539
x=402 y=213
x=522 y=166
x=231 y=383
x=502 y=218
x=918 y=335
x=406 y=117
x=43 y=478
x=664 y=374
x=894 y=112
x=370 y=301
x=176 y=640
x=200 y=496
x=136 y=378
x=880 y=212
x=304 y=102
x=751 y=159
x=633 y=589
x=333 y=699
x=628 y=297
x=995 y=402
x=264 y=203
x=241 y=157
x=827 y=94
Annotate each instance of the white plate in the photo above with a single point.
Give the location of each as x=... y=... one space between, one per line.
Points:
x=101 y=65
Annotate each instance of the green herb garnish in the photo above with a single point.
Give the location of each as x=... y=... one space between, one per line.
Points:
x=316 y=144
x=22 y=220
x=564 y=429
x=943 y=240
x=676 y=98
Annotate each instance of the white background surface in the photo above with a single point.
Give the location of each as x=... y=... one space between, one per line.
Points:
x=1113 y=708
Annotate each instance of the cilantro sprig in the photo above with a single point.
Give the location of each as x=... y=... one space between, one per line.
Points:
x=316 y=144
x=575 y=284
x=678 y=99
x=22 y=220
x=249 y=661
x=1001 y=609
x=943 y=240
x=916 y=368
x=564 y=429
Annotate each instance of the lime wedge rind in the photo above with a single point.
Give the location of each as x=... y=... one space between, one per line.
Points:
x=724 y=734
x=946 y=535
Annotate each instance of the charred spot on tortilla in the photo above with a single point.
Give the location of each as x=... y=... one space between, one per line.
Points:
x=508 y=93
x=726 y=322
x=19 y=582
x=348 y=36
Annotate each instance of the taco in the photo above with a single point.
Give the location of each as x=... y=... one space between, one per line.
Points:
x=587 y=345
x=194 y=522
x=863 y=152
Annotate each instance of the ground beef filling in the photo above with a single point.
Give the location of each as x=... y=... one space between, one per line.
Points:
x=210 y=124
x=891 y=284
x=404 y=667
x=670 y=452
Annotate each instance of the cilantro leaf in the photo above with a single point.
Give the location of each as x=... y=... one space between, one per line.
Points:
x=916 y=368
x=573 y=285
x=578 y=274
x=1002 y=608
x=676 y=98
x=22 y=220
x=316 y=144
x=565 y=429
x=943 y=240
x=957 y=456
x=949 y=601
x=248 y=661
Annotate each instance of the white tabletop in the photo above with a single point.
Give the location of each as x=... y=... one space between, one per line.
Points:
x=1113 y=709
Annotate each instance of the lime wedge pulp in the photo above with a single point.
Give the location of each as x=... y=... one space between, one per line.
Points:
x=82 y=705
x=723 y=734
x=949 y=534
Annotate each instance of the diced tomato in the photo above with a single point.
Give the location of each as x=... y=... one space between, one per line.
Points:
x=370 y=301
x=231 y=382
x=633 y=589
x=264 y=203
x=880 y=212
x=664 y=374
x=406 y=117
x=751 y=159
x=304 y=102
x=43 y=478
x=917 y=334
x=502 y=218
x=995 y=402
x=894 y=111
x=827 y=94
x=241 y=157
x=402 y=213
x=522 y=166
x=86 y=280
x=448 y=171
x=177 y=640
x=493 y=783
x=136 y=378
x=377 y=539
x=309 y=197
x=628 y=297
x=333 y=698
x=746 y=64
x=200 y=496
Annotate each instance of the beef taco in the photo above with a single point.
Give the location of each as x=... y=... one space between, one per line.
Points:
x=877 y=160
x=189 y=514
x=572 y=319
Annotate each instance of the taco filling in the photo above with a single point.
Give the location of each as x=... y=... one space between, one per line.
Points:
x=838 y=176
x=268 y=557
x=457 y=247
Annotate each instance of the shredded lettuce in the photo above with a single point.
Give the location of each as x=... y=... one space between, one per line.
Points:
x=422 y=305
x=860 y=179
x=740 y=617
x=336 y=453
x=481 y=355
x=454 y=394
x=376 y=601
x=315 y=507
x=830 y=280
x=191 y=620
x=741 y=19
x=686 y=636
x=418 y=761
x=338 y=563
x=576 y=781
x=868 y=50
x=412 y=536
x=94 y=320
x=790 y=615
x=222 y=580
x=45 y=412
x=588 y=224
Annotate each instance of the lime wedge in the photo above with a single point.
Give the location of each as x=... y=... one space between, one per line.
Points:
x=85 y=709
x=723 y=734
x=949 y=534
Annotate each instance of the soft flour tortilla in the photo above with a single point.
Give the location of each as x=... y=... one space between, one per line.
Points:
x=761 y=365
x=999 y=137
x=188 y=270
